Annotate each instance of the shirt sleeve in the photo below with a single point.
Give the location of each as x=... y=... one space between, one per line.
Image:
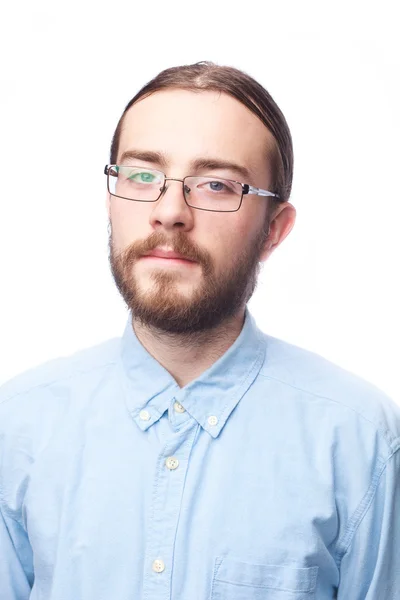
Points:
x=370 y=567
x=16 y=571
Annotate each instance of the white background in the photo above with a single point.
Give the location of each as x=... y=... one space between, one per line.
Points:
x=68 y=70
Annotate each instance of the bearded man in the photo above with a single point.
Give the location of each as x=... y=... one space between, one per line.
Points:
x=197 y=457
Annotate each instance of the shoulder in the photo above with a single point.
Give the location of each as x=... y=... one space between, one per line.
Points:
x=46 y=386
x=37 y=404
x=316 y=379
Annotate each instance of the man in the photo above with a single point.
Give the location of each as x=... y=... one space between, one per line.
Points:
x=197 y=457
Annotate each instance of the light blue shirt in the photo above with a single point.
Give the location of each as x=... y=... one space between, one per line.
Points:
x=274 y=475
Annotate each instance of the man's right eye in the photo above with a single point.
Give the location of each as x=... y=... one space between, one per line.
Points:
x=142 y=177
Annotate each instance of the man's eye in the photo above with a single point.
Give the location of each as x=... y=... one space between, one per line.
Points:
x=142 y=177
x=217 y=186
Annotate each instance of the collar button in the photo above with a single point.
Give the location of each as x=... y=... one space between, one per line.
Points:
x=178 y=407
x=144 y=415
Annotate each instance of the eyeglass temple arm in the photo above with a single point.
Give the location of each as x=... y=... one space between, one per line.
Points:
x=250 y=189
x=107 y=170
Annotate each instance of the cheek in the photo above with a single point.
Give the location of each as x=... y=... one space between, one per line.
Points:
x=225 y=241
x=130 y=221
x=236 y=238
x=238 y=230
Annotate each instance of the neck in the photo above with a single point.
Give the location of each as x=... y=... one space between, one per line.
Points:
x=186 y=357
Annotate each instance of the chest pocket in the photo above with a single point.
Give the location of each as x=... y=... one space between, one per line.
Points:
x=235 y=580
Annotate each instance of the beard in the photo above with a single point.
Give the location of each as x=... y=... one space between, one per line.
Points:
x=217 y=298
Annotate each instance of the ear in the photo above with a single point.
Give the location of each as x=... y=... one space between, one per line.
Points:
x=281 y=225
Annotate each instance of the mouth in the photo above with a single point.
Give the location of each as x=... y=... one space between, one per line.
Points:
x=167 y=261
x=167 y=257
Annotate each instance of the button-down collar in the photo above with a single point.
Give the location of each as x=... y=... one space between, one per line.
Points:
x=210 y=399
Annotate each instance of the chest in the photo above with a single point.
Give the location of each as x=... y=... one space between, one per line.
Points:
x=160 y=512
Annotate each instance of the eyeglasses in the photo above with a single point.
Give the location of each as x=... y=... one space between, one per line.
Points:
x=205 y=193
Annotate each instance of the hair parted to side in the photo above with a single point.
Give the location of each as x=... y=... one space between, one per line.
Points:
x=207 y=76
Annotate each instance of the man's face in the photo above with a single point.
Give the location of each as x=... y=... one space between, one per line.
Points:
x=185 y=296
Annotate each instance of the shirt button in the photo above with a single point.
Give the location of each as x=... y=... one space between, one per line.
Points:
x=178 y=407
x=158 y=565
x=144 y=415
x=212 y=420
x=172 y=463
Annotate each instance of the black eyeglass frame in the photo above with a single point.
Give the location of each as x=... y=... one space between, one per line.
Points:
x=246 y=189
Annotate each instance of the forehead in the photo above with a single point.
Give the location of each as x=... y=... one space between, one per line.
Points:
x=185 y=125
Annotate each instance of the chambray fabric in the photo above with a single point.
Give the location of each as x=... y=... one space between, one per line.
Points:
x=285 y=486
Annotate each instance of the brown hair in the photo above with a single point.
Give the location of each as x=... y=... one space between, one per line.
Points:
x=207 y=76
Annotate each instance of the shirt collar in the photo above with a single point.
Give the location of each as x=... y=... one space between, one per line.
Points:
x=211 y=398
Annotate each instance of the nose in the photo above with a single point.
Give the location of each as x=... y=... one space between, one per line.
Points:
x=171 y=211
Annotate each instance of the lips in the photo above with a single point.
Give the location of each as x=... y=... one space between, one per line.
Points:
x=168 y=254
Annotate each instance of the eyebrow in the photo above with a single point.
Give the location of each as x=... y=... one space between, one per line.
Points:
x=199 y=164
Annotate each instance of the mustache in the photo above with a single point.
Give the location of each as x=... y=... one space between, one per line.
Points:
x=178 y=243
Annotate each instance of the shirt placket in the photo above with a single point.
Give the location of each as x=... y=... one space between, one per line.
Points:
x=169 y=482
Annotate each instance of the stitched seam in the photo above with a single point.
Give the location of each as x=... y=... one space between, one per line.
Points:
x=153 y=499
x=6 y=512
x=243 y=385
x=3 y=504
x=271 y=587
x=159 y=467
x=390 y=440
x=217 y=565
x=53 y=381
x=5 y=508
x=344 y=544
x=190 y=443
